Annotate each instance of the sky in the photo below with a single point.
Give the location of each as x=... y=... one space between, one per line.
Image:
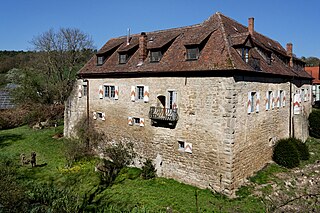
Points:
x=295 y=21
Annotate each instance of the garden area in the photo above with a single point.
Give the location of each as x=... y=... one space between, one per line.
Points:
x=63 y=181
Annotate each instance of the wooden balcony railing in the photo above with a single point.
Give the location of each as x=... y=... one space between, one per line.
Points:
x=163 y=114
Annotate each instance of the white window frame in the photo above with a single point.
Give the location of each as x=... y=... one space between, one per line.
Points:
x=109 y=94
x=181 y=145
x=269 y=100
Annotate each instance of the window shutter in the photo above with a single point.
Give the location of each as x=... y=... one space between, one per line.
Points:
x=267 y=100
x=284 y=98
x=258 y=102
x=94 y=116
x=278 y=99
x=130 y=121
x=249 y=103
x=100 y=92
x=103 y=116
x=188 y=147
x=133 y=93
x=116 y=92
x=146 y=94
x=141 y=121
x=79 y=91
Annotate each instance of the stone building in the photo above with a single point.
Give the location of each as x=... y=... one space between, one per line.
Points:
x=315 y=73
x=206 y=102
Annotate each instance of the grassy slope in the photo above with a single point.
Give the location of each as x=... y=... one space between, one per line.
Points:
x=126 y=194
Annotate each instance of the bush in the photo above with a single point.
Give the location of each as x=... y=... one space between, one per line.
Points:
x=148 y=170
x=286 y=154
x=301 y=147
x=314 y=121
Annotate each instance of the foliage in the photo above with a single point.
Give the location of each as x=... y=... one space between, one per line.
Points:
x=12 y=197
x=286 y=154
x=148 y=170
x=31 y=114
x=314 y=121
x=118 y=156
x=302 y=148
x=48 y=78
x=311 y=61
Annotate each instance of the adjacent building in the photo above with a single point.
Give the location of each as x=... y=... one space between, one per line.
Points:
x=206 y=102
x=315 y=73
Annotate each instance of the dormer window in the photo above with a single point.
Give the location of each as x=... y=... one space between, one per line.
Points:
x=155 y=55
x=245 y=54
x=123 y=58
x=193 y=53
x=100 y=60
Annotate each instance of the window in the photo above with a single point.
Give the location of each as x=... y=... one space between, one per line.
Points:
x=303 y=98
x=100 y=60
x=252 y=102
x=281 y=94
x=172 y=100
x=136 y=121
x=245 y=54
x=181 y=145
x=123 y=58
x=155 y=56
x=140 y=92
x=99 y=116
x=85 y=90
x=193 y=53
x=109 y=91
x=269 y=100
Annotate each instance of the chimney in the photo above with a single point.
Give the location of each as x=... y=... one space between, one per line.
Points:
x=142 y=47
x=290 y=53
x=251 y=25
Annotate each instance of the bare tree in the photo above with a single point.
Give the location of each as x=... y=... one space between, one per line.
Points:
x=60 y=54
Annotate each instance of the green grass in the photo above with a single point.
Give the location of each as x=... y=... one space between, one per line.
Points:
x=130 y=192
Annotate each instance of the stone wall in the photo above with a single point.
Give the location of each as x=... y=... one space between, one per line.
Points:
x=228 y=144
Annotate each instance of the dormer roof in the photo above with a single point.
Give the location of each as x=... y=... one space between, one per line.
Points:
x=223 y=36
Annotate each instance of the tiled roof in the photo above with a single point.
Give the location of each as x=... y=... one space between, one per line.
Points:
x=219 y=36
x=315 y=73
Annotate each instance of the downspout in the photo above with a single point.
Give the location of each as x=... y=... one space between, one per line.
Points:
x=290 y=111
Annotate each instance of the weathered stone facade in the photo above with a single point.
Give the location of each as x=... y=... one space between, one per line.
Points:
x=233 y=95
x=228 y=144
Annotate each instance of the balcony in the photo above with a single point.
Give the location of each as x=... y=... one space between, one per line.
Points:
x=163 y=117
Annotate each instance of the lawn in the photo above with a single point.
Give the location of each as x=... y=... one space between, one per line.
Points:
x=129 y=193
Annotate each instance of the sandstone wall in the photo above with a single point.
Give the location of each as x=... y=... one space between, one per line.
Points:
x=228 y=143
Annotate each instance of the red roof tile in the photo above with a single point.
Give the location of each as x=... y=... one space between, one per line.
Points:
x=219 y=33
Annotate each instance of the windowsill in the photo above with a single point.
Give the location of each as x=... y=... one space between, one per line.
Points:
x=192 y=59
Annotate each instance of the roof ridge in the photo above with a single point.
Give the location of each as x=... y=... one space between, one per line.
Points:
x=225 y=38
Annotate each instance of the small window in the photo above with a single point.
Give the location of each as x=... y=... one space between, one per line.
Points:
x=123 y=58
x=245 y=54
x=192 y=53
x=155 y=56
x=140 y=92
x=269 y=100
x=84 y=90
x=303 y=96
x=109 y=91
x=268 y=58
x=99 y=114
x=136 y=121
x=181 y=145
x=281 y=98
x=253 y=101
x=100 y=60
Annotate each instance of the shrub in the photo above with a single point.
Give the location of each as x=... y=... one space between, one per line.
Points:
x=314 y=121
x=148 y=170
x=301 y=147
x=286 y=154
